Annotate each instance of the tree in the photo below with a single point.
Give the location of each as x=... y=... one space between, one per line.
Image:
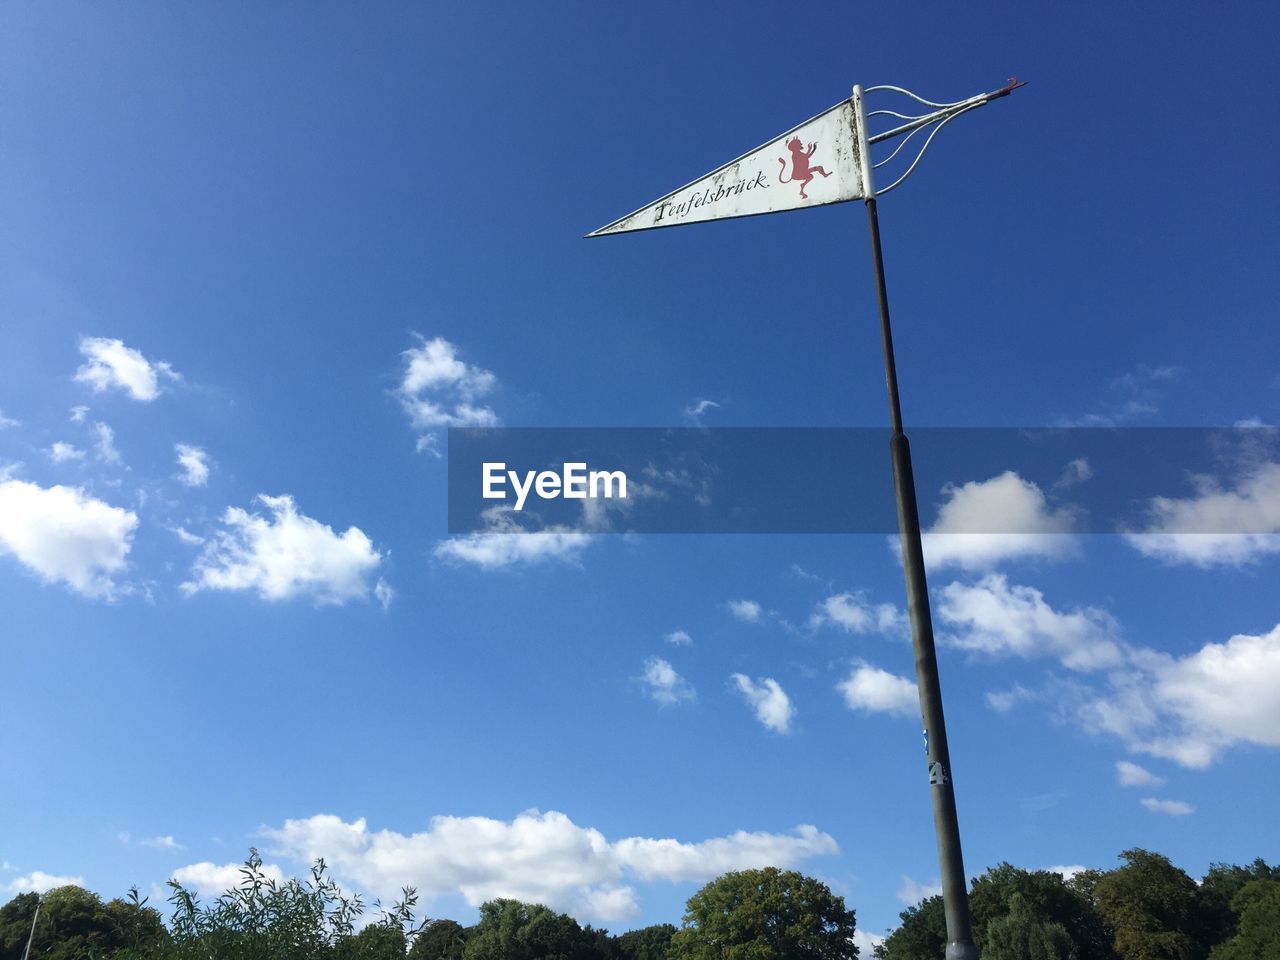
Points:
x=1026 y=934
x=1045 y=894
x=922 y=934
x=379 y=941
x=138 y=928
x=1151 y=906
x=1257 y=936
x=647 y=943
x=73 y=923
x=1217 y=891
x=766 y=914
x=295 y=920
x=440 y=940
x=512 y=930
x=15 y=924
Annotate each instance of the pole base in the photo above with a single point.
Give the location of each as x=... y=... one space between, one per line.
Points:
x=962 y=950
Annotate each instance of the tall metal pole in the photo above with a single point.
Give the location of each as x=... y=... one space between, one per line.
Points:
x=955 y=887
x=32 y=935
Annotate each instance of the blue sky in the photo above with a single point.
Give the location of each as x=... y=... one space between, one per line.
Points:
x=239 y=230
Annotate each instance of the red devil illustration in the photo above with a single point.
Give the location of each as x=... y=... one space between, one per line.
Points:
x=801 y=172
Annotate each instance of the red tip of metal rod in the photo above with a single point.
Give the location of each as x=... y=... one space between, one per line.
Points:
x=1013 y=84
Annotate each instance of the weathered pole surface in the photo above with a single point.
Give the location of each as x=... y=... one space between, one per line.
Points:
x=955 y=886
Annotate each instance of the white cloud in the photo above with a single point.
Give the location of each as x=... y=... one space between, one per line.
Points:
x=1174 y=808
x=6 y=422
x=40 y=882
x=866 y=943
x=982 y=523
x=284 y=555
x=1135 y=395
x=878 y=691
x=384 y=593
x=1131 y=775
x=105 y=446
x=1217 y=526
x=996 y=618
x=65 y=535
x=109 y=363
x=194 y=463
x=1189 y=709
x=537 y=857
x=913 y=891
x=1068 y=871
x=78 y=413
x=748 y=611
x=165 y=842
x=1076 y=472
x=1002 y=701
x=695 y=411
x=186 y=536
x=772 y=705
x=210 y=879
x=679 y=637
x=676 y=861
x=493 y=548
x=439 y=390
x=663 y=685
x=853 y=613
x=63 y=452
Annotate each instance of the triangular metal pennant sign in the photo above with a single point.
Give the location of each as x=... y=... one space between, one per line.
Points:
x=810 y=165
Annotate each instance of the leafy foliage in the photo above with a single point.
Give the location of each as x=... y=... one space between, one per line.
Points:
x=440 y=940
x=1151 y=906
x=1024 y=933
x=512 y=930
x=1146 y=909
x=647 y=943
x=1218 y=890
x=1044 y=894
x=922 y=934
x=766 y=914
x=1257 y=936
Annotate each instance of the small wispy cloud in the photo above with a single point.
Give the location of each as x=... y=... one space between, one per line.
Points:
x=194 y=463
x=913 y=891
x=500 y=545
x=853 y=613
x=384 y=593
x=870 y=689
x=1132 y=396
x=61 y=452
x=1002 y=701
x=104 y=446
x=110 y=364
x=748 y=611
x=1132 y=775
x=698 y=409
x=680 y=638
x=985 y=522
x=770 y=702
x=285 y=554
x=1173 y=808
x=438 y=389
x=663 y=685
x=1219 y=525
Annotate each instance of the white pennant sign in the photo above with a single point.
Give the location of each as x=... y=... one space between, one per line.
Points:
x=813 y=164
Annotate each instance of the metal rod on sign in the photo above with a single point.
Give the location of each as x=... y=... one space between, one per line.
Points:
x=955 y=887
